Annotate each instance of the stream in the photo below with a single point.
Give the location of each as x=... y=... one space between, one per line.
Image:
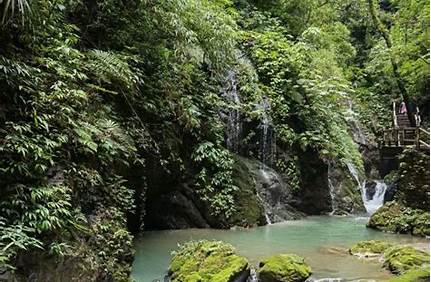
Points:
x=322 y=240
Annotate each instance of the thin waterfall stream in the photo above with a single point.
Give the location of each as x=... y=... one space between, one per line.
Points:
x=233 y=115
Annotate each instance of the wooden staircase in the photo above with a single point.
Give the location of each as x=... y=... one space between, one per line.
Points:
x=403 y=134
x=403 y=121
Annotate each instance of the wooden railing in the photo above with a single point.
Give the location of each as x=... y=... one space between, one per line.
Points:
x=406 y=137
x=423 y=138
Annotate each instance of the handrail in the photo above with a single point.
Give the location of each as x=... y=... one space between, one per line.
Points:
x=424 y=131
x=394 y=114
x=424 y=144
x=398 y=137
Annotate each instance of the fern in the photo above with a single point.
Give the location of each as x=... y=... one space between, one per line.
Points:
x=111 y=68
x=9 y=7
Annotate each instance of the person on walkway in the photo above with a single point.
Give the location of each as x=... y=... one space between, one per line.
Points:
x=418 y=119
x=403 y=108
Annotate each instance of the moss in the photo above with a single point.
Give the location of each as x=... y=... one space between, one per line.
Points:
x=421 y=224
x=414 y=178
x=207 y=261
x=415 y=275
x=347 y=198
x=283 y=268
x=369 y=247
x=250 y=212
x=401 y=259
x=396 y=218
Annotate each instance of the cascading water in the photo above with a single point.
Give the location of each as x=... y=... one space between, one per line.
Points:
x=374 y=200
x=234 y=128
x=267 y=178
x=267 y=218
x=267 y=141
x=332 y=193
x=253 y=276
x=354 y=172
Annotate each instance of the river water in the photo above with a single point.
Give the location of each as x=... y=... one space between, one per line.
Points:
x=322 y=240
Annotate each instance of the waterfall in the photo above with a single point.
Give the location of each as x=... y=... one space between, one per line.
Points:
x=332 y=193
x=233 y=130
x=267 y=147
x=253 y=275
x=373 y=201
x=264 y=175
x=267 y=218
x=354 y=172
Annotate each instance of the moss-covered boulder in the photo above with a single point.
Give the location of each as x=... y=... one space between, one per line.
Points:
x=347 y=198
x=415 y=275
x=396 y=218
x=414 y=177
x=208 y=261
x=283 y=268
x=369 y=248
x=401 y=259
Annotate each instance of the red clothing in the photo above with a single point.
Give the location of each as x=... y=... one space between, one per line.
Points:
x=403 y=108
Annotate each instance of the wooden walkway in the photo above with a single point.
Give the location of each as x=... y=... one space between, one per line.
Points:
x=404 y=135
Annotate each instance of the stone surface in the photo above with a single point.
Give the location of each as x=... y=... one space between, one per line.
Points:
x=347 y=196
x=415 y=275
x=208 y=261
x=396 y=218
x=272 y=194
x=400 y=259
x=314 y=196
x=369 y=248
x=283 y=268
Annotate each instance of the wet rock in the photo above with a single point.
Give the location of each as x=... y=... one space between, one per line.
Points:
x=314 y=196
x=372 y=248
x=396 y=218
x=174 y=210
x=273 y=194
x=415 y=275
x=370 y=189
x=347 y=197
x=284 y=268
x=208 y=261
x=401 y=259
x=334 y=251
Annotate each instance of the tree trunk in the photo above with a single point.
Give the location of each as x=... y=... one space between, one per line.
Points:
x=388 y=40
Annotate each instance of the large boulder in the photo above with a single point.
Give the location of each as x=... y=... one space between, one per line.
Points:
x=400 y=259
x=346 y=195
x=396 y=218
x=273 y=194
x=208 y=261
x=415 y=275
x=314 y=197
x=283 y=268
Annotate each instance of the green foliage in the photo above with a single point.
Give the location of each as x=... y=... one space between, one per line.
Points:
x=215 y=178
x=10 y=7
x=13 y=239
x=92 y=91
x=308 y=84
